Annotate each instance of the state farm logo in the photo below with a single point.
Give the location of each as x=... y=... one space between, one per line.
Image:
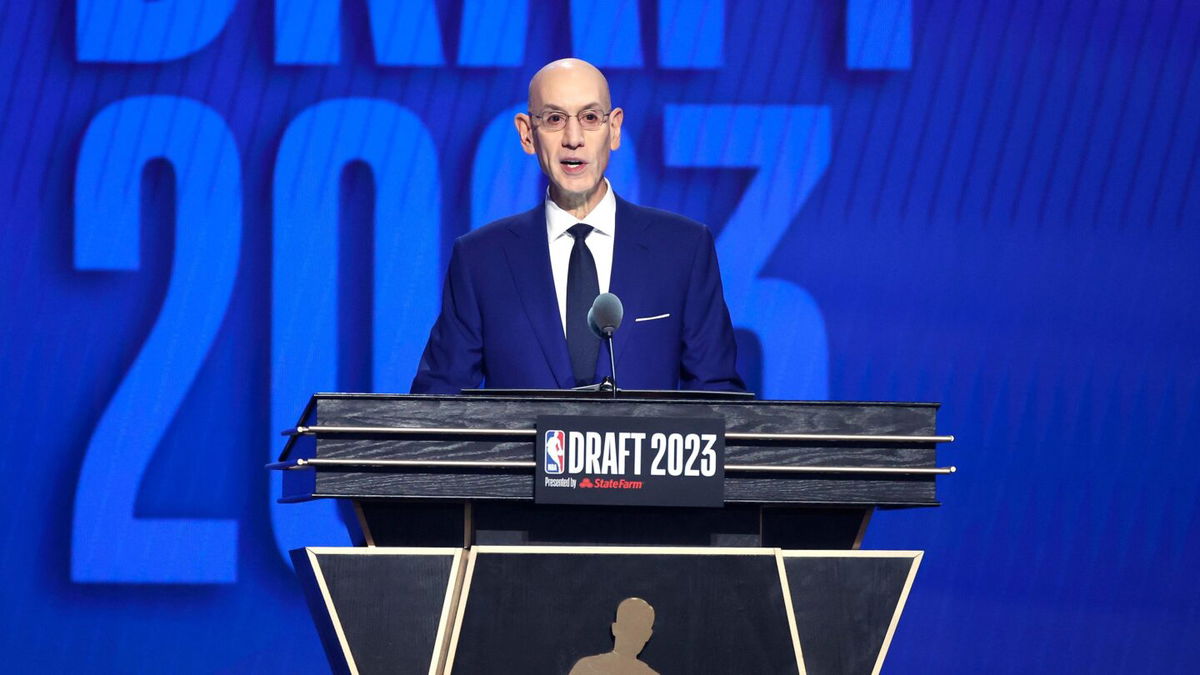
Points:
x=611 y=484
x=555 y=451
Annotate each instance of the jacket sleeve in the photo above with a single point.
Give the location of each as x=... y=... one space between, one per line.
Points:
x=709 y=355
x=453 y=357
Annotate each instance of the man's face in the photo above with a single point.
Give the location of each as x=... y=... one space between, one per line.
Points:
x=573 y=158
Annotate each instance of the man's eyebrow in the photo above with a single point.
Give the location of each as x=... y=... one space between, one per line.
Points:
x=594 y=105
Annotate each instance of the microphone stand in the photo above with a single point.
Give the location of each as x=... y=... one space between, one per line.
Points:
x=609 y=383
x=612 y=360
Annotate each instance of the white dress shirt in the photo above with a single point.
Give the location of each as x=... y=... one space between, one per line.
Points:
x=603 y=220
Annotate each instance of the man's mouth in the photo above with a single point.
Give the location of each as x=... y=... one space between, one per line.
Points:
x=572 y=166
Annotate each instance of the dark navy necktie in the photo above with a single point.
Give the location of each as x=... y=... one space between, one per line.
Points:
x=582 y=288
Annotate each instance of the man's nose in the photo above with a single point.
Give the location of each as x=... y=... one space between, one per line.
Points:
x=573 y=133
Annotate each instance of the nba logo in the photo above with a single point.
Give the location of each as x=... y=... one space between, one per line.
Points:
x=555 y=451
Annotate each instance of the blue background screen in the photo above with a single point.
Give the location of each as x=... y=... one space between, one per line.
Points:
x=213 y=208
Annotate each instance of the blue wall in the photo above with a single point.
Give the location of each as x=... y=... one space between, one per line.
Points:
x=212 y=209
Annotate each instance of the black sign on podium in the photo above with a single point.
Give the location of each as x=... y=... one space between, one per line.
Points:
x=633 y=461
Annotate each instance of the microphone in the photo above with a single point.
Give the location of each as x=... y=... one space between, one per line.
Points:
x=604 y=318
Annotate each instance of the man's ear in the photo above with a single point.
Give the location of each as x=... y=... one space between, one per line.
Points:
x=615 y=118
x=525 y=132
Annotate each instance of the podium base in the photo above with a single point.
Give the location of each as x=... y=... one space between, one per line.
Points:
x=537 y=609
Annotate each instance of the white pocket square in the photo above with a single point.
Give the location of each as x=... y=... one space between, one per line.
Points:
x=652 y=318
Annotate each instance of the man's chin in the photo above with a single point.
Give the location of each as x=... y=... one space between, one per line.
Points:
x=574 y=194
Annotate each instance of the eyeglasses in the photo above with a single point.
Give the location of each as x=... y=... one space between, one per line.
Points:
x=556 y=120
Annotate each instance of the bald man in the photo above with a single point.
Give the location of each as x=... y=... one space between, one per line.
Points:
x=517 y=291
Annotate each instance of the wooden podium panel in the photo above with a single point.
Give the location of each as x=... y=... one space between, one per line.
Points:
x=847 y=605
x=716 y=611
x=393 y=446
x=381 y=610
x=535 y=609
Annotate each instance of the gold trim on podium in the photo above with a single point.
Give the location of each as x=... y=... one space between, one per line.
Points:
x=862 y=529
x=333 y=615
x=441 y=643
x=891 y=631
x=914 y=556
x=464 y=589
x=791 y=612
x=449 y=602
x=363 y=526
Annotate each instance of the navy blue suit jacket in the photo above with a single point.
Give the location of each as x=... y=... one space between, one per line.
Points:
x=500 y=326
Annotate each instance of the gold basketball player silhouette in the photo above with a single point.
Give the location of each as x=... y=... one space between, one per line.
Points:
x=631 y=631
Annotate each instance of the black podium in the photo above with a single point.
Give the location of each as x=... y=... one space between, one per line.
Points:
x=457 y=570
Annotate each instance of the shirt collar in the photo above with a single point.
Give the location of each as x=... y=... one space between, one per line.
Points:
x=603 y=217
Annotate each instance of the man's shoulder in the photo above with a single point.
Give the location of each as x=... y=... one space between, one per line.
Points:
x=655 y=228
x=660 y=219
x=532 y=221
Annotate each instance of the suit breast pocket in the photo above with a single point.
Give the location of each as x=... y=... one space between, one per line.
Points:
x=656 y=332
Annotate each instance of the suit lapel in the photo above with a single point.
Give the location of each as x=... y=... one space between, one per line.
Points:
x=528 y=257
x=631 y=264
